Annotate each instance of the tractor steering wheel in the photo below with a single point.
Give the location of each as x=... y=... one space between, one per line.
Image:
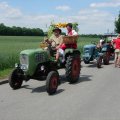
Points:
x=53 y=42
x=50 y=42
x=51 y=48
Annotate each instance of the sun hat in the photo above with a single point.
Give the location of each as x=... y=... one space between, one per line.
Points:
x=57 y=29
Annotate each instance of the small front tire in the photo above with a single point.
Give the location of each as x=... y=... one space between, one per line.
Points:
x=86 y=62
x=52 y=82
x=16 y=79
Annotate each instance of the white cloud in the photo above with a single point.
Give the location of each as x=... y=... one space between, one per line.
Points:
x=90 y=20
x=112 y=3
x=96 y=21
x=8 y=11
x=63 y=8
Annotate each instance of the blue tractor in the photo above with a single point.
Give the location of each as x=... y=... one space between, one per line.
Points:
x=90 y=52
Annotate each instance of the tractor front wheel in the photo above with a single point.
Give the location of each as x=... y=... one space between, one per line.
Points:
x=52 y=82
x=16 y=79
x=86 y=61
x=73 y=67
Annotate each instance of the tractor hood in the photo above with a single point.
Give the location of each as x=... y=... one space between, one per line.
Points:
x=31 y=58
x=32 y=51
x=90 y=46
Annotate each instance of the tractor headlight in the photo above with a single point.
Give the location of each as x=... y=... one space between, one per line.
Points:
x=16 y=65
x=24 y=61
x=42 y=67
x=24 y=67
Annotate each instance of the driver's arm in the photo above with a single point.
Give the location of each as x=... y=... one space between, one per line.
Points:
x=60 y=42
x=48 y=41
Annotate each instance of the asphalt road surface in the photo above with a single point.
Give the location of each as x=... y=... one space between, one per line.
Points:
x=95 y=97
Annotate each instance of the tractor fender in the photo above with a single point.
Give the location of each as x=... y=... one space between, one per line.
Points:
x=71 y=51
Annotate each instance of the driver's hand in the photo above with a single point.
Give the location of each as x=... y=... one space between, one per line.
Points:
x=46 y=40
x=57 y=47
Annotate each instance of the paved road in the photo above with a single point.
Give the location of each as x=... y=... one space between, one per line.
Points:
x=95 y=97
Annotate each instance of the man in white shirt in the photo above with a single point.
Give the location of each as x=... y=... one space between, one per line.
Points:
x=70 y=31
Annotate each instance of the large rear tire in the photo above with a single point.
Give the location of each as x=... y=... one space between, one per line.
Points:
x=16 y=79
x=106 y=58
x=52 y=82
x=73 y=67
x=99 y=62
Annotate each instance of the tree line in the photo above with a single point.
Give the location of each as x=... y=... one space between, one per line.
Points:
x=91 y=35
x=117 y=24
x=19 y=31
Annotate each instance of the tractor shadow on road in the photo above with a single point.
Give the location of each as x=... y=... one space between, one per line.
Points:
x=82 y=78
x=41 y=89
x=85 y=78
x=92 y=64
x=63 y=80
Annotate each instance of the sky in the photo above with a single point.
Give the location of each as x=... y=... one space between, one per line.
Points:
x=93 y=16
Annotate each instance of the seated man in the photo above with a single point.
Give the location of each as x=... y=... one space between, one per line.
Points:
x=100 y=44
x=56 y=40
x=70 y=32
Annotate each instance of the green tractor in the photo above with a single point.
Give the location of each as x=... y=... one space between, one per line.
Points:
x=40 y=64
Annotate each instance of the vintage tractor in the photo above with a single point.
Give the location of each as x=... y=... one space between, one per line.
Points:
x=101 y=54
x=90 y=52
x=40 y=64
x=108 y=48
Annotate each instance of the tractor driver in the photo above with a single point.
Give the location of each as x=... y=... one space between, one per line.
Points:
x=56 y=41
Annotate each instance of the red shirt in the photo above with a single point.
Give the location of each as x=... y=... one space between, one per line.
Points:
x=117 y=43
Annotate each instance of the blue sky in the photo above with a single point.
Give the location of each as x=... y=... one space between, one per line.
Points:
x=93 y=16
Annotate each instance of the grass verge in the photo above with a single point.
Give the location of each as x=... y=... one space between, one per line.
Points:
x=4 y=73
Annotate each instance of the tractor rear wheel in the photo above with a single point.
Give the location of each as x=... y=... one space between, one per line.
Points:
x=106 y=58
x=52 y=82
x=99 y=62
x=16 y=79
x=73 y=67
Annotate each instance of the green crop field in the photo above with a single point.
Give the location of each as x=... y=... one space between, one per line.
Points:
x=10 y=47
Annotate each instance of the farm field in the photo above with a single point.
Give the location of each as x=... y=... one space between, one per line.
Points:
x=10 y=47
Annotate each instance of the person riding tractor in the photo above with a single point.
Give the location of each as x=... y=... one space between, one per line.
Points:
x=40 y=63
x=58 y=39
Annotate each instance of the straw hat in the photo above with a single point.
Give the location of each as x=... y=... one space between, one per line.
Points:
x=57 y=29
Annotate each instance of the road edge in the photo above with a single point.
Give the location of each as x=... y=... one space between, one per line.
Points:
x=3 y=81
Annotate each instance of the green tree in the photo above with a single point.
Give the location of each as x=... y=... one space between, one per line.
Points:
x=2 y=29
x=75 y=26
x=117 y=24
